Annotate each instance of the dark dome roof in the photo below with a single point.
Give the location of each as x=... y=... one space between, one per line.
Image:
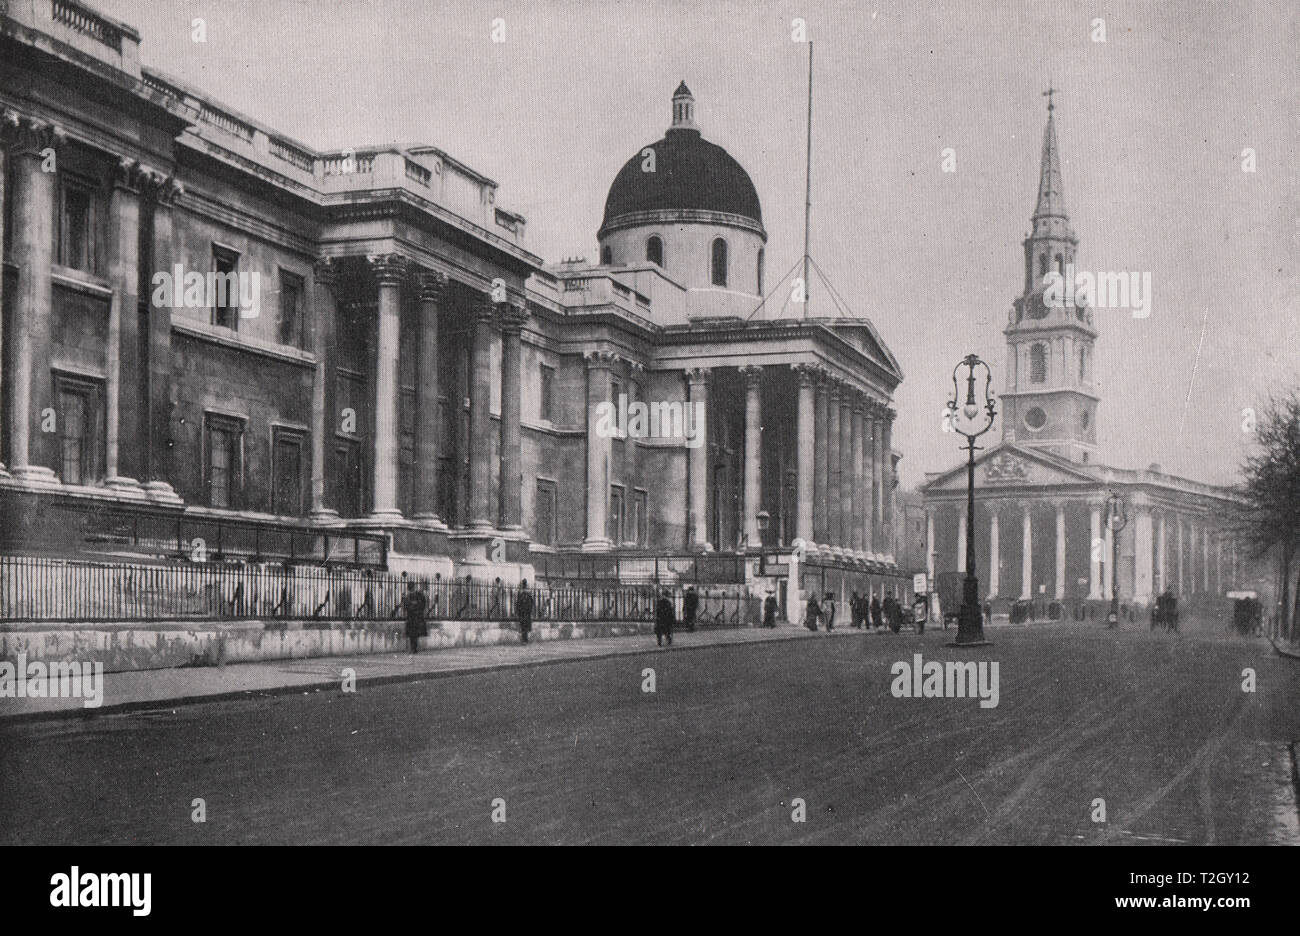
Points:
x=690 y=173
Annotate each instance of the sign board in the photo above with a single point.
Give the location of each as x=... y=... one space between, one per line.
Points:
x=918 y=584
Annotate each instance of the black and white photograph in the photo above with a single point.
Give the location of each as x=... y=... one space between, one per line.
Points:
x=452 y=423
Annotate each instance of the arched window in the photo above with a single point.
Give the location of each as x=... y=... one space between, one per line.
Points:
x=760 y=271
x=719 y=262
x=1038 y=363
x=654 y=250
x=607 y=256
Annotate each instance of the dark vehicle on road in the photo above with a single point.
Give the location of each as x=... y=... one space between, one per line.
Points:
x=1164 y=613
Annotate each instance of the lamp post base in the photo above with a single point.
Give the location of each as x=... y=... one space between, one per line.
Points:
x=970 y=619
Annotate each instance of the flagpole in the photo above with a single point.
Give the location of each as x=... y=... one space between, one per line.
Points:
x=807 y=207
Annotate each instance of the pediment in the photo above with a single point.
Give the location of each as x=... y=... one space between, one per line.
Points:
x=1008 y=465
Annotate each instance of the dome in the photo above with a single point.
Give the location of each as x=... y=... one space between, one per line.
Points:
x=690 y=174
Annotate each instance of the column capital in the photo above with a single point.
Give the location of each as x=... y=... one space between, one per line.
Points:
x=431 y=284
x=159 y=187
x=513 y=316
x=29 y=135
x=808 y=374
x=325 y=271
x=697 y=375
x=633 y=365
x=599 y=360
x=834 y=387
x=753 y=373
x=130 y=176
x=389 y=269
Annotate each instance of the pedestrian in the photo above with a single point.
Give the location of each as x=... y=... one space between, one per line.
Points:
x=690 y=607
x=828 y=610
x=524 y=610
x=813 y=613
x=877 y=618
x=855 y=610
x=413 y=606
x=664 y=619
x=769 y=611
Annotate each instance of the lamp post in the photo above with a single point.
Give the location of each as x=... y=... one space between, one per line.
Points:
x=764 y=518
x=1116 y=520
x=970 y=619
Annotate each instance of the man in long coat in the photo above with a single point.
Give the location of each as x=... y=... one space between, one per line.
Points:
x=664 y=619
x=524 y=610
x=690 y=607
x=877 y=612
x=414 y=605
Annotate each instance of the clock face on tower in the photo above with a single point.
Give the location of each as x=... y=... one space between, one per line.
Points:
x=1035 y=418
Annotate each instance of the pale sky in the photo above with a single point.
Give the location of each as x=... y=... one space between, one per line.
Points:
x=1152 y=124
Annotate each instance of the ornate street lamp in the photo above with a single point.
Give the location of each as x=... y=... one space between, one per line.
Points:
x=970 y=619
x=1116 y=519
x=764 y=518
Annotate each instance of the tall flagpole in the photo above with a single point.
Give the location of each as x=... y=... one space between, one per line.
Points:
x=807 y=207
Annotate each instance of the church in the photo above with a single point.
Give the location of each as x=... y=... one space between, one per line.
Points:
x=1042 y=494
x=414 y=389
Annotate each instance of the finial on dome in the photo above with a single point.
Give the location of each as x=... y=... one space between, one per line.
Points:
x=683 y=108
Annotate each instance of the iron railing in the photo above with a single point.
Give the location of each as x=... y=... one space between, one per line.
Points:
x=44 y=589
x=718 y=568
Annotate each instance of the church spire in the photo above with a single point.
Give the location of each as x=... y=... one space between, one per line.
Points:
x=1051 y=199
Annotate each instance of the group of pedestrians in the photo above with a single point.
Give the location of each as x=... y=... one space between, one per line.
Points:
x=863 y=613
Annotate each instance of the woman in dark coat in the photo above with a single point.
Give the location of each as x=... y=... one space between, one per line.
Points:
x=664 y=620
x=877 y=620
x=769 y=611
x=813 y=614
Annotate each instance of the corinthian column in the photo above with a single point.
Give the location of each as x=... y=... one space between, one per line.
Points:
x=389 y=271
x=753 y=376
x=325 y=275
x=821 y=469
x=159 y=464
x=859 y=538
x=123 y=437
x=880 y=544
x=807 y=442
x=697 y=380
x=834 y=536
x=427 y=432
x=512 y=323
x=846 y=469
x=480 y=422
x=598 y=448
x=995 y=563
x=30 y=455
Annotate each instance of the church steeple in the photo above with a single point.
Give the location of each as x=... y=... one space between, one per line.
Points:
x=683 y=109
x=1051 y=398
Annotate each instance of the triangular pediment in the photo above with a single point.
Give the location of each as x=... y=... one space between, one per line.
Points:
x=860 y=333
x=1011 y=465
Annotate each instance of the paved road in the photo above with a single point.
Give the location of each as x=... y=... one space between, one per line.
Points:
x=1157 y=726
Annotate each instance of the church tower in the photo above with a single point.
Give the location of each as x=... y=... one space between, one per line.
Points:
x=1050 y=401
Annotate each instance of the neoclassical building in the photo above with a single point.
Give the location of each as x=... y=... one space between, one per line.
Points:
x=1041 y=492
x=401 y=381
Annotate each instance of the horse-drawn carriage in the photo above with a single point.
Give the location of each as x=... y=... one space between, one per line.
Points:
x=1247 y=613
x=1164 y=613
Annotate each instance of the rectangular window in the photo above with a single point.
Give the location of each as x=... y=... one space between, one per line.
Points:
x=291 y=330
x=547 y=397
x=79 y=428
x=615 y=523
x=78 y=224
x=286 y=470
x=224 y=463
x=225 y=298
x=640 y=533
x=544 y=513
x=347 y=479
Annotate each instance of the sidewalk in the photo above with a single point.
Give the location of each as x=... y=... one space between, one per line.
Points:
x=144 y=689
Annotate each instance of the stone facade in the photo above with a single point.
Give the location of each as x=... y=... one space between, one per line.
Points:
x=407 y=370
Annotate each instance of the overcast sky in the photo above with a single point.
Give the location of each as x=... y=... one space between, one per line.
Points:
x=1152 y=124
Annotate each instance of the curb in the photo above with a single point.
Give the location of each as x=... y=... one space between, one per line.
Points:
x=383 y=680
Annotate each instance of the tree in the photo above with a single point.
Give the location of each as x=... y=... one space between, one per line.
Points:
x=1272 y=493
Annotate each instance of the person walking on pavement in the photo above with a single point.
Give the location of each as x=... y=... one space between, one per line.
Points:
x=877 y=619
x=828 y=611
x=813 y=614
x=769 y=611
x=413 y=606
x=664 y=619
x=524 y=610
x=855 y=610
x=690 y=607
